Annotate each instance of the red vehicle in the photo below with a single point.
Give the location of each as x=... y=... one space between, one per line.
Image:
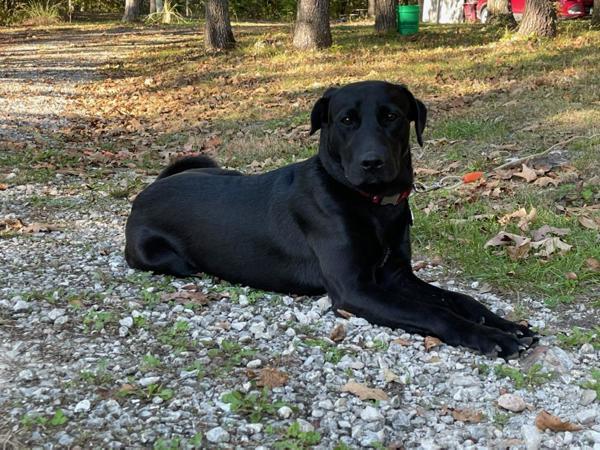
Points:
x=566 y=9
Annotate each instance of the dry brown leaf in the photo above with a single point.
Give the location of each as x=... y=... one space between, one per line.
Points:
x=467 y=415
x=338 y=333
x=364 y=392
x=544 y=231
x=504 y=238
x=389 y=376
x=571 y=275
x=431 y=342
x=40 y=227
x=527 y=173
x=545 y=420
x=588 y=223
x=426 y=171
x=187 y=296
x=400 y=341
x=551 y=245
x=524 y=218
x=272 y=378
x=545 y=181
x=10 y=225
x=126 y=389
x=593 y=264
x=3 y=186
x=519 y=252
x=345 y=314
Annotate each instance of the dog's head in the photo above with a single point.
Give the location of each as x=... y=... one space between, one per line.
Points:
x=365 y=130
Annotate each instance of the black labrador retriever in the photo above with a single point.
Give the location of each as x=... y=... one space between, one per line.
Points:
x=338 y=222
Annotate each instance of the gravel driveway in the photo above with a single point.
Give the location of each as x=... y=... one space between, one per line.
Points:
x=94 y=354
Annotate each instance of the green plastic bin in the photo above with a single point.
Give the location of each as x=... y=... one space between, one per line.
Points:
x=408 y=19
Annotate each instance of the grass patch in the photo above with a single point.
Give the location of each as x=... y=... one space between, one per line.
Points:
x=532 y=378
x=254 y=405
x=577 y=337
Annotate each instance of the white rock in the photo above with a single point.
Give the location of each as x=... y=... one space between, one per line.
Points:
x=512 y=402
x=243 y=300
x=147 y=381
x=587 y=397
x=586 y=349
x=532 y=436
x=56 y=313
x=21 y=305
x=61 y=320
x=324 y=303
x=126 y=322
x=305 y=426
x=255 y=427
x=238 y=326
x=587 y=416
x=593 y=436
x=370 y=414
x=254 y=364
x=302 y=318
x=217 y=435
x=82 y=406
x=567 y=438
x=285 y=412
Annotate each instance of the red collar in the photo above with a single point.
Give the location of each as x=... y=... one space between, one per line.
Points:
x=387 y=200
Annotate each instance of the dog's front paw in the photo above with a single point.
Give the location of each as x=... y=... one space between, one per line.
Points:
x=495 y=343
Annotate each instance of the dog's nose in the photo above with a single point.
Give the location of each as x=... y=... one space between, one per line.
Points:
x=371 y=164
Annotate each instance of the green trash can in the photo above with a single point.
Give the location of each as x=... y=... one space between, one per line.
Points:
x=408 y=19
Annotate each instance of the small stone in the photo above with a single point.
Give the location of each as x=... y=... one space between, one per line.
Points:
x=56 y=313
x=593 y=436
x=243 y=300
x=567 y=438
x=254 y=364
x=255 y=427
x=460 y=380
x=305 y=427
x=61 y=320
x=147 y=381
x=285 y=412
x=26 y=375
x=113 y=407
x=126 y=322
x=21 y=305
x=552 y=359
x=65 y=440
x=532 y=436
x=82 y=406
x=586 y=349
x=587 y=397
x=511 y=402
x=217 y=435
x=370 y=414
x=324 y=303
x=587 y=416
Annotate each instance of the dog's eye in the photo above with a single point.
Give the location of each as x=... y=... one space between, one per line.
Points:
x=347 y=120
x=390 y=117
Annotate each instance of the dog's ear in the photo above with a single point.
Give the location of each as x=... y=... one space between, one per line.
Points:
x=319 y=113
x=418 y=115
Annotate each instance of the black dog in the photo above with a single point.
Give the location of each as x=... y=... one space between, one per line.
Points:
x=337 y=222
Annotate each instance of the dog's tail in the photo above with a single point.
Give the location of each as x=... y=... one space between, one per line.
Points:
x=189 y=162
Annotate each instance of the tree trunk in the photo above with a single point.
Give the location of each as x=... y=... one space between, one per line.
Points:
x=152 y=6
x=501 y=13
x=217 y=31
x=132 y=10
x=159 y=6
x=596 y=14
x=371 y=8
x=385 y=16
x=539 y=18
x=312 y=25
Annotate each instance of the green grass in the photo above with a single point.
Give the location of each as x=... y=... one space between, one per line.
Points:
x=530 y=380
x=254 y=405
x=577 y=337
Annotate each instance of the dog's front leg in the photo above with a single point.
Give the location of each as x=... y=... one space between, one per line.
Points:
x=350 y=281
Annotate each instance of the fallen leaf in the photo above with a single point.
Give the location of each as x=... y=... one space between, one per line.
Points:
x=519 y=252
x=126 y=389
x=345 y=314
x=39 y=227
x=187 y=296
x=545 y=230
x=525 y=218
x=593 y=264
x=338 y=333
x=471 y=177
x=7 y=225
x=504 y=238
x=364 y=392
x=545 y=420
x=3 y=186
x=571 y=275
x=545 y=181
x=527 y=173
x=400 y=341
x=425 y=171
x=467 y=415
x=551 y=245
x=431 y=342
x=588 y=223
x=271 y=378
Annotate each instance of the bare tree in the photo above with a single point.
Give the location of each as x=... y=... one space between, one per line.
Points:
x=312 y=25
x=385 y=16
x=500 y=13
x=596 y=14
x=539 y=18
x=152 y=6
x=371 y=8
x=132 y=10
x=217 y=31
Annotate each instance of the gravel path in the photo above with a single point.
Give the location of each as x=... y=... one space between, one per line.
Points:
x=94 y=354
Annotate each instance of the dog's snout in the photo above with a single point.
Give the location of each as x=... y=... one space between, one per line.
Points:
x=371 y=163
